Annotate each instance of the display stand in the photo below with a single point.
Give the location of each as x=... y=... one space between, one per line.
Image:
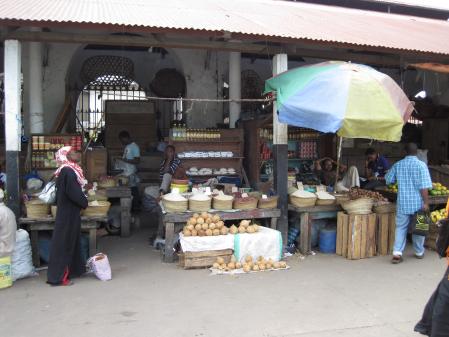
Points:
x=34 y=226
x=173 y=223
x=227 y=141
x=306 y=214
x=124 y=194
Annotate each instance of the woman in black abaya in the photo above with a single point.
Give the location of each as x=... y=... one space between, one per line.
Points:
x=65 y=251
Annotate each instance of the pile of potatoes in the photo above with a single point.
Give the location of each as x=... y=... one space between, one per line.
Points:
x=244 y=227
x=260 y=264
x=220 y=264
x=205 y=224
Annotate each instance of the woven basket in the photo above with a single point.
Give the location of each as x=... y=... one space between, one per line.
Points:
x=271 y=202
x=200 y=206
x=222 y=205
x=36 y=209
x=387 y=208
x=341 y=198
x=107 y=183
x=53 y=210
x=358 y=206
x=100 y=210
x=175 y=206
x=325 y=202
x=245 y=203
x=302 y=202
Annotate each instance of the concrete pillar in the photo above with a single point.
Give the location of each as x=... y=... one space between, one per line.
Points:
x=235 y=90
x=280 y=153
x=35 y=81
x=13 y=121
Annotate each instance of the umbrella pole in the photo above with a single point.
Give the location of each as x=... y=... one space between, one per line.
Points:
x=339 y=143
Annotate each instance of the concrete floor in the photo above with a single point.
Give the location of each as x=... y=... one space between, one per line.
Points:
x=321 y=296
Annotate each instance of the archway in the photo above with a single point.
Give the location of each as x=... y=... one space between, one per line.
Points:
x=116 y=73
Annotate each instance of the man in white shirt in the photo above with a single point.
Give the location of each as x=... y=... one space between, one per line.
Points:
x=131 y=157
x=8 y=227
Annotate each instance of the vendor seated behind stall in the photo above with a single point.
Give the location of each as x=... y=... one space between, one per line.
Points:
x=326 y=171
x=376 y=166
x=131 y=156
x=171 y=167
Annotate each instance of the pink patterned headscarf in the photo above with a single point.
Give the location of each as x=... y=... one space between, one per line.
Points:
x=63 y=161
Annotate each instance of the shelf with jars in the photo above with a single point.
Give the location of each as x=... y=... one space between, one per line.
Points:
x=44 y=147
x=211 y=150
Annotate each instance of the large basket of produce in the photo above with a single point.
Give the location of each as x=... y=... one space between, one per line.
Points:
x=384 y=207
x=97 y=208
x=356 y=193
x=107 y=182
x=174 y=203
x=302 y=199
x=222 y=202
x=245 y=203
x=270 y=202
x=325 y=199
x=36 y=209
x=358 y=206
x=199 y=203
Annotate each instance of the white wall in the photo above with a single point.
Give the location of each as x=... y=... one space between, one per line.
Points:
x=205 y=73
x=204 y=79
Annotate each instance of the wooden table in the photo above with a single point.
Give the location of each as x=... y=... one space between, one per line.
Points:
x=124 y=194
x=306 y=214
x=175 y=221
x=88 y=224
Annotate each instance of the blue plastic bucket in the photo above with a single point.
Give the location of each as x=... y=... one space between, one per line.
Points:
x=328 y=241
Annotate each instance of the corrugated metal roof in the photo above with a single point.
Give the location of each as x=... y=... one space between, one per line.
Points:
x=432 y=4
x=266 y=19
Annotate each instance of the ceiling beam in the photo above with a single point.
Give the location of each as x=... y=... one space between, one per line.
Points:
x=331 y=52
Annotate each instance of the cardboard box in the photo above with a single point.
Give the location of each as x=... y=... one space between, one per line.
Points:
x=96 y=163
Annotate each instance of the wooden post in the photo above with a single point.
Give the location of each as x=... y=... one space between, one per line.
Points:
x=125 y=223
x=280 y=151
x=305 y=245
x=340 y=141
x=13 y=121
x=169 y=242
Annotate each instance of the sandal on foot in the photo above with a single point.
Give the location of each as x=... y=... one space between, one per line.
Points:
x=396 y=259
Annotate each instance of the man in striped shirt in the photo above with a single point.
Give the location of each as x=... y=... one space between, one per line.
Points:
x=170 y=167
x=413 y=178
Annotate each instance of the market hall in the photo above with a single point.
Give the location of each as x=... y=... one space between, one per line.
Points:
x=198 y=86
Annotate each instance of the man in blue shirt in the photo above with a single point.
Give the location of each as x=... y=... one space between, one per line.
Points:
x=376 y=166
x=413 y=178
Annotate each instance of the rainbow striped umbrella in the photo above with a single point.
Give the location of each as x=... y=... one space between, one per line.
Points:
x=352 y=100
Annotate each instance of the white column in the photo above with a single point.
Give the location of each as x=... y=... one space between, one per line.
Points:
x=35 y=82
x=280 y=152
x=13 y=123
x=235 y=91
x=280 y=131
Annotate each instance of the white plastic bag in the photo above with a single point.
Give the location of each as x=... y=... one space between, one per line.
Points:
x=99 y=265
x=22 y=260
x=48 y=194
